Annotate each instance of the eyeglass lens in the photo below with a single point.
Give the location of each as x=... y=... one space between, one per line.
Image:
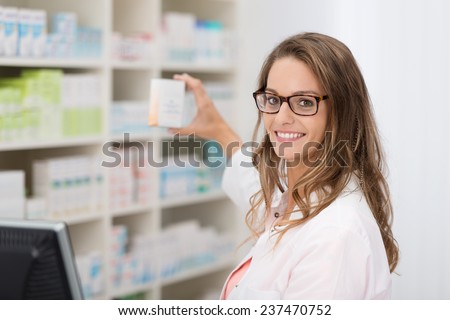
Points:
x=302 y=105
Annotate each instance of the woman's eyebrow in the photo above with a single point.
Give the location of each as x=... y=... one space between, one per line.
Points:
x=296 y=92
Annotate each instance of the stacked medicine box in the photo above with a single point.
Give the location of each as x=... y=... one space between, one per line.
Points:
x=23 y=33
x=12 y=194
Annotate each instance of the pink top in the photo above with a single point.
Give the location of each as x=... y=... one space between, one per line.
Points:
x=235 y=277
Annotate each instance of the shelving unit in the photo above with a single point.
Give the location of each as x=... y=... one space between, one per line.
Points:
x=49 y=144
x=125 y=80
x=52 y=63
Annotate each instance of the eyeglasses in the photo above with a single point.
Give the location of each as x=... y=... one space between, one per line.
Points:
x=302 y=105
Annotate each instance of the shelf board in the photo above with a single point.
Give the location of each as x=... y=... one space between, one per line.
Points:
x=48 y=144
x=83 y=218
x=120 y=292
x=182 y=276
x=150 y=136
x=75 y=219
x=200 y=68
x=135 y=209
x=197 y=272
x=101 y=296
x=134 y=137
x=132 y=65
x=193 y=199
x=52 y=62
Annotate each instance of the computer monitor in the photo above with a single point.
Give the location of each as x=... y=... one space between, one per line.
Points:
x=37 y=261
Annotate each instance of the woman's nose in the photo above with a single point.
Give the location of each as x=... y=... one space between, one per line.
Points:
x=285 y=114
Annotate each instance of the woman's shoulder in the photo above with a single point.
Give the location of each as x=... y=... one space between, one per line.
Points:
x=348 y=214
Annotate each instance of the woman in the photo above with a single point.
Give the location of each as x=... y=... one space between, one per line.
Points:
x=319 y=204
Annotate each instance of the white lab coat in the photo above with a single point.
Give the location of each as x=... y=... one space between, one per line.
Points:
x=339 y=254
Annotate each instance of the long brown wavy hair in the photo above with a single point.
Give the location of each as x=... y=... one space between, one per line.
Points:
x=350 y=119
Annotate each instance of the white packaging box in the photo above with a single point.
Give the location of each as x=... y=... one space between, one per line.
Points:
x=12 y=194
x=179 y=37
x=59 y=186
x=90 y=270
x=96 y=273
x=167 y=104
x=80 y=191
x=12 y=184
x=97 y=189
x=49 y=182
x=38 y=32
x=65 y=24
x=10 y=40
x=36 y=208
x=12 y=208
x=187 y=233
x=25 y=36
x=222 y=96
x=145 y=248
x=2 y=31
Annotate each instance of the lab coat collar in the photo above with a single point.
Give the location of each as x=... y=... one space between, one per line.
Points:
x=279 y=199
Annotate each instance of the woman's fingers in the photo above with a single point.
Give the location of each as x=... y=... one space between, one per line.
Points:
x=182 y=131
x=207 y=120
x=196 y=86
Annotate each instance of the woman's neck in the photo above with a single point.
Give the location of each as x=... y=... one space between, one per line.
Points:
x=293 y=175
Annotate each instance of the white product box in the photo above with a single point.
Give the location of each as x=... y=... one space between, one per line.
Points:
x=12 y=184
x=25 y=35
x=12 y=194
x=166 y=103
x=38 y=32
x=2 y=31
x=36 y=208
x=13 y=208
x=179 y=36
x=10 y=40
x=65 y=24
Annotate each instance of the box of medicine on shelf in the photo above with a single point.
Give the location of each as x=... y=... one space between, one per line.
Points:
x=91 y=271
x=10 y=25
x=170 y=105
x=12 y=194
x=2 y=31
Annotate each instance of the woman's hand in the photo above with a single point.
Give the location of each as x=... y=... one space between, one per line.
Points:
x=208 y=123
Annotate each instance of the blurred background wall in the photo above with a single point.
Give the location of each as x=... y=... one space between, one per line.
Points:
x=403 y=48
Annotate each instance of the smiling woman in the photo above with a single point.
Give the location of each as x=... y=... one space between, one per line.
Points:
x=322 y=231
x=291 y=129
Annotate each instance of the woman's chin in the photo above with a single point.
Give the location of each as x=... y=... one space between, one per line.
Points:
x=290 y=157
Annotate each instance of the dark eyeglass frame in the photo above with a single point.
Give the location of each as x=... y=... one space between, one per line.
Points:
x=286 y=99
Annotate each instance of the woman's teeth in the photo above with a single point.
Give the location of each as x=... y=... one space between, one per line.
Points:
x=291 y=135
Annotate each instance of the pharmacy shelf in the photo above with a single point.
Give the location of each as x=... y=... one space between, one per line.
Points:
x=151 y=136
x=193 y=199
x=52 y=63
x=122 y=81
x=134 y=137
x=171 y=203
x=198 y=68
x=83 y=218
x=132 y=65
x=182 y=276
x=132 y=210
x=125 y=291
x=50 y=144
x=201 y=271
x=77 y=219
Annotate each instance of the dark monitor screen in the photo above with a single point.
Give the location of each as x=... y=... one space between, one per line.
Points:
x=37 y=261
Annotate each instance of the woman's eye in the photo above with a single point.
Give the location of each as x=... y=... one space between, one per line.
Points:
x=306 y=103
x=273 y=100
